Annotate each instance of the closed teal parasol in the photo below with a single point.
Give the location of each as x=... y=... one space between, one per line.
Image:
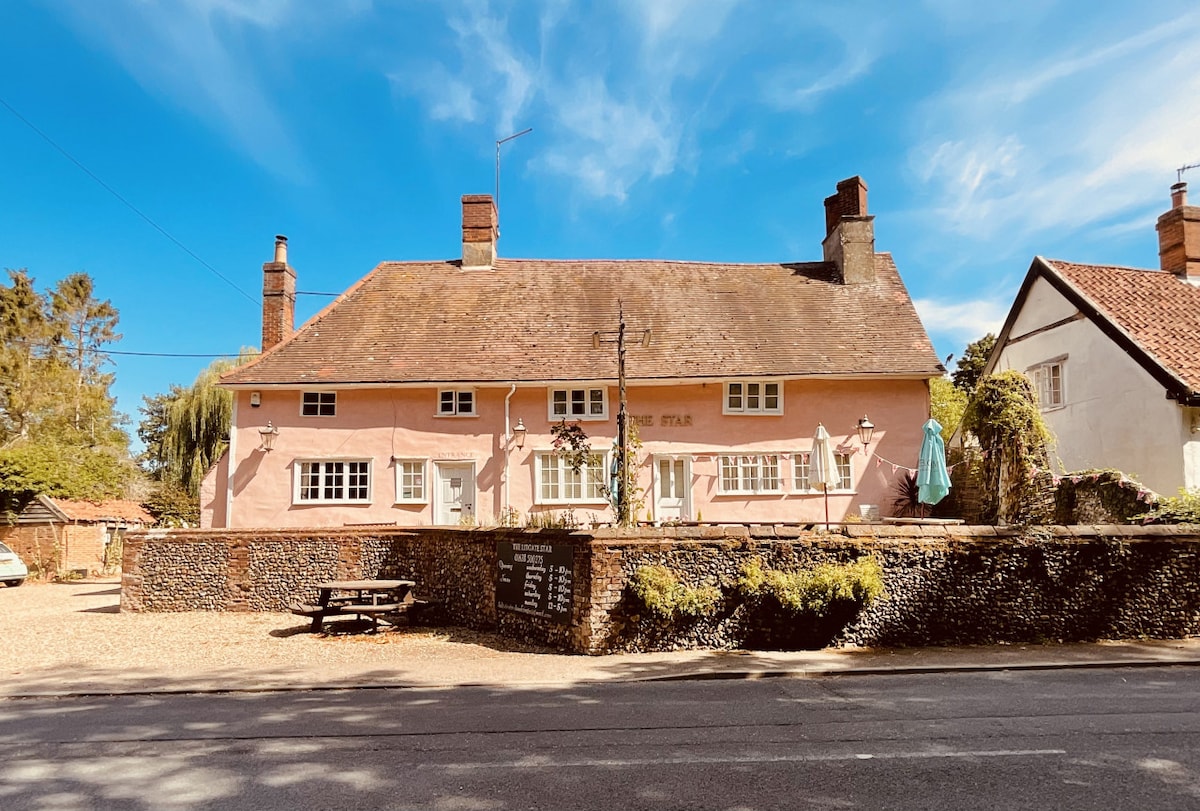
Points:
x=933 y=479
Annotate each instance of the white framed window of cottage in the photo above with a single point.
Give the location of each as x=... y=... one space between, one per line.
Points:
x=557 y=483
x=751 y=474
x=456 y=403
x=1049 y=380
x=802 y=473
x=589 y=403
x=753 y=397
x=410 y=481
x=318 y=404
x=332 y=481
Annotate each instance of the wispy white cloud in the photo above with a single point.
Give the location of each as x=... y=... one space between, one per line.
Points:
x=961 y=321
x=621 y=102
x=200 y=55
x=1066 y=142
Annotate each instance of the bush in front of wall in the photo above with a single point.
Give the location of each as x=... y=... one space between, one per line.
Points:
x=806 y=608
x=659 y=590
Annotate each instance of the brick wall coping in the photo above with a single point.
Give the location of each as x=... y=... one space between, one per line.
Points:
x=611 y=536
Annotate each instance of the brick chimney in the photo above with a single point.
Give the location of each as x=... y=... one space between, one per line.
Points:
x=279 y=297
x=480 y=230
x=850 y=232
x=1179 y=237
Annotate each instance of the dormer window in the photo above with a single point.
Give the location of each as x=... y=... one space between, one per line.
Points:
x=318 y=404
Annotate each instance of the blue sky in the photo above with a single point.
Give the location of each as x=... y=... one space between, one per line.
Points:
x=708 y=130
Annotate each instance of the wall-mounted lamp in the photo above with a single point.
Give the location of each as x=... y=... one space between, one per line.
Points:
x=519 y=431
x=866 y=431
x=268 y=435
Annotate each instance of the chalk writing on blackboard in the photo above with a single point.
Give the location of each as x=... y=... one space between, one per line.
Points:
x=536 y=579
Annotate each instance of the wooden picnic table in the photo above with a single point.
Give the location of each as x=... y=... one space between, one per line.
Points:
x=361 y=598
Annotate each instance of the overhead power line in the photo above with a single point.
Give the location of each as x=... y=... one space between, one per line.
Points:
x=172 y=354
x=125 y=202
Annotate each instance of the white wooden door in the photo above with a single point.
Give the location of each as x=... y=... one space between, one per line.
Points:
x=672 y=490
x=455 y=502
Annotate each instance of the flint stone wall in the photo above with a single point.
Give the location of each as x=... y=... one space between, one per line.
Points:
x=946 y=585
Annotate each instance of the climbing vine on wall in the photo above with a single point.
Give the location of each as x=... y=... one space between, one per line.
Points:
x=1003 y=416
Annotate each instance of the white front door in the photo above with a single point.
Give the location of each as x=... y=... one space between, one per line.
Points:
x=455 y=501
x=672 y=488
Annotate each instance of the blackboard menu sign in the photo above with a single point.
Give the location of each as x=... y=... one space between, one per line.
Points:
x=536 y=578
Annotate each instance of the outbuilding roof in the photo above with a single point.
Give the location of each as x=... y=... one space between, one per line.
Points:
x=529 y=320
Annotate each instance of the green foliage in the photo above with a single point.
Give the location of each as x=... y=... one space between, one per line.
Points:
x=636 y=501
x=29 y=469
x=83 y=325
x=187 y=429
x=816 y=590
x=60 y=434
x=947 y=402
x=1003 y=415
x=969 y=368
x=660 y=591
x=52 y=387
x=172 y=506
x=1181 y=509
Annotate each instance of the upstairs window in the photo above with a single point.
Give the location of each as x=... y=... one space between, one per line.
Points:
x=579 y=404
x=1048 y=380
x=333 y=481
x=753 y=397
x=318 y=404
x=456 y=403
x=750 y=474
x=802 y=473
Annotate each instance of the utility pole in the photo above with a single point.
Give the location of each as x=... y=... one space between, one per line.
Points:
x=622 y=506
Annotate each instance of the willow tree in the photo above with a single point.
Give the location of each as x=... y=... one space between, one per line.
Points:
x=187 y=429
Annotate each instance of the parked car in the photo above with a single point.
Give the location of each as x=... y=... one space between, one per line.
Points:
x=12 y=570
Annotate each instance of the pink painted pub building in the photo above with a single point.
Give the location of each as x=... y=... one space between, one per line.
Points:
x=425 y=394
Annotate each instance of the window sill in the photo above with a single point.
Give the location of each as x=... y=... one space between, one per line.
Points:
x=454 y=416
x=323 y=503
x=573 y=503
x=577 y=418
x=410 y=503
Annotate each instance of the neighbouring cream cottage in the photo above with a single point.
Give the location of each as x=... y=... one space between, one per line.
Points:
x=1113 y=353
x=425 y=394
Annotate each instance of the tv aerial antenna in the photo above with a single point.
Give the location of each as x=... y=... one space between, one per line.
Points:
x=1179 y=172
x=500 y=143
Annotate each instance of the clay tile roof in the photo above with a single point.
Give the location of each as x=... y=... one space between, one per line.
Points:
x=534 y=320
x=1159 y=312
x=129 y=512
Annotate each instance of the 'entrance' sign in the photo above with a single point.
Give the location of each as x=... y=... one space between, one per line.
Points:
x=536 y=578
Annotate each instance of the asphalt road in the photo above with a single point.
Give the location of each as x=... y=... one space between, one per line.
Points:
x=1085 y=739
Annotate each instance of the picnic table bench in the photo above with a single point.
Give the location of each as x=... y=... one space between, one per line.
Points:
x=360 y=598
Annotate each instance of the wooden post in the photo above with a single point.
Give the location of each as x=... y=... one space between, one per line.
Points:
x=622 y=430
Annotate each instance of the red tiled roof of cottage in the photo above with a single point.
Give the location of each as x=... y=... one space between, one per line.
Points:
x=1156 y=309
x=117 y=510
x=534 y=320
